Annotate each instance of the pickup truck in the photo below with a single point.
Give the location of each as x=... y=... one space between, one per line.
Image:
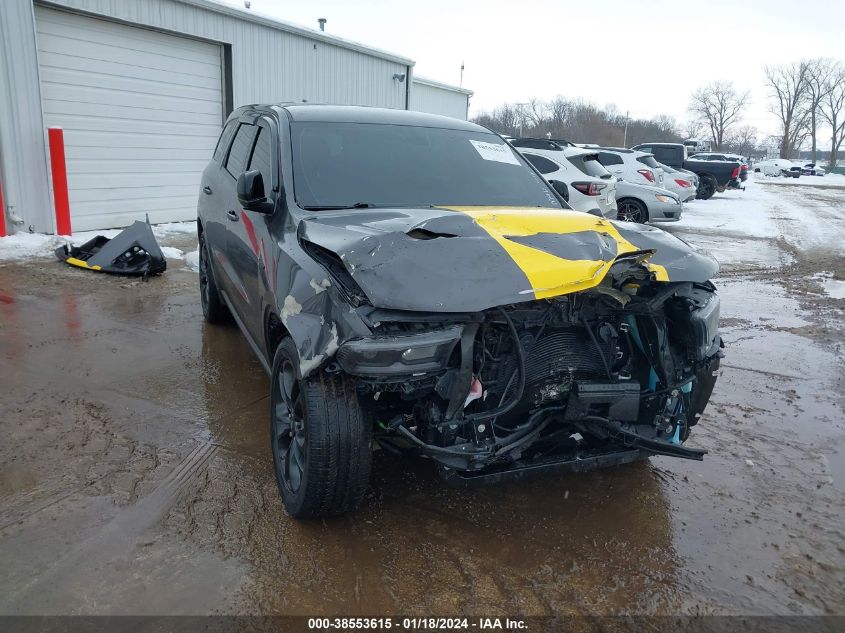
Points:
x=713 y=175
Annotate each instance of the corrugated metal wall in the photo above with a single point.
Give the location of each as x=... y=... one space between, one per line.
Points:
x=435 y=99
x=141 y=113
x=23 y=161
x=269 y=64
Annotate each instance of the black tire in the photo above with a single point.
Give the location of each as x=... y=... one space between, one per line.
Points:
x=631 y=210
x=213 y=308
x=321 y=439
x=706 y=188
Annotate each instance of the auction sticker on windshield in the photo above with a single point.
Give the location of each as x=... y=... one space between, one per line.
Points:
x=500 y=153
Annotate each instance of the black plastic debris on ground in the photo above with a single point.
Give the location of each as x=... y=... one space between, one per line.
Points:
x=133 y=251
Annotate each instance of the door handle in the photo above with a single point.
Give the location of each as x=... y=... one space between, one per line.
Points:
x=207 y=190
x=232 y=215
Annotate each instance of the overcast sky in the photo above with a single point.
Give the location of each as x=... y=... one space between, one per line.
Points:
x=644 y=56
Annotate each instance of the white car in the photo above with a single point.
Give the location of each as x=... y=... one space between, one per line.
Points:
x=632 y=165
x=589 y=186
x=682 y=183
x=773 y=166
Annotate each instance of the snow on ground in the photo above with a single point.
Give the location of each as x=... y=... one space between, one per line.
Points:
x=741 y=212
x=38 y=245
x=746 y=228
x=192 y=260
x=829 y=180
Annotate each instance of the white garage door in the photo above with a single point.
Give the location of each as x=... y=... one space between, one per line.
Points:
x=141 y=112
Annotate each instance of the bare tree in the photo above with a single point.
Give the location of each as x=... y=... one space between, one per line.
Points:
x=744 y=140
x=833 y=110
x=789 y=85
x=693 y=128
x=818 y=85
x=666 y=124
x=578 y=121
x=535 y=111
x=559 y=112
x=718 y=105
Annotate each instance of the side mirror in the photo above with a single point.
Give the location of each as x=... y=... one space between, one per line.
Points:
x=561 y=188
x=251 y=192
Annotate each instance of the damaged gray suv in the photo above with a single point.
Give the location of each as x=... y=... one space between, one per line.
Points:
x=412 y=283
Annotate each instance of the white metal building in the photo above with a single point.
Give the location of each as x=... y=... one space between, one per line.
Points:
x=141 y=88
x=432 y=96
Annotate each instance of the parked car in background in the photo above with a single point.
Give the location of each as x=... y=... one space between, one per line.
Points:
x=714 y=175
x=644 y=203
x=811 y=169
x=631 y=165
x=680 y=182
x=773 y=166
x=589 y=186
x=712 y=156
x=743 y=162
x=793 y=172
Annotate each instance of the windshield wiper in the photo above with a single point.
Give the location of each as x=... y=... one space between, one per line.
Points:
x=337 y=207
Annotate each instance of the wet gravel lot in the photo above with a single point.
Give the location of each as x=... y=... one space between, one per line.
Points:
x=135 y=471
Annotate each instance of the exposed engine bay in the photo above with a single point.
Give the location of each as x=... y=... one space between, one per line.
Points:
x=583 y=380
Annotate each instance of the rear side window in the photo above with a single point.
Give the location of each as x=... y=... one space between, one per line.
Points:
x=543 y=165
x=606 y=158
x=589 y=164
x=648 y=160
x=223 y=141
x=662 y=154
x=241 y=147
x=261 y=158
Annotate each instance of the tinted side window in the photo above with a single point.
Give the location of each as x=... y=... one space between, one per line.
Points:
x=261 y=158
x=590 y=165
x=543 y=165
x=663 y=154
x=223 y=141
x=606 y=158
x=241 y=147
x=648 y=160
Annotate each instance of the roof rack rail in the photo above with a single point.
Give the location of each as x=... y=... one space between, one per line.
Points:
x=540 y=143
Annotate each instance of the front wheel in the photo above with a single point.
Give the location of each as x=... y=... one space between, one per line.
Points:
x=321 y=439
x=630 y=210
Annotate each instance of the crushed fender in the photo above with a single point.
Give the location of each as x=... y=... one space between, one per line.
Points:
x=133 y=251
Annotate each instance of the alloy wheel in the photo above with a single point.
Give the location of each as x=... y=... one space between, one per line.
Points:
x=630 y=212
x=289 y=437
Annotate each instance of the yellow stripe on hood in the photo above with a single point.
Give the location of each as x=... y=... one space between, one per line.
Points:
x=549 y=275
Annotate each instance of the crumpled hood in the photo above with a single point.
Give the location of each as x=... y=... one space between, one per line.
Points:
x=468 y=259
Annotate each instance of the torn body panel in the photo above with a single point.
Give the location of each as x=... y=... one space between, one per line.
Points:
x=133 y=252
x=479 y=258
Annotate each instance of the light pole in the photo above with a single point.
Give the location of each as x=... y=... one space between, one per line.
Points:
x=521 y=107
x=625 y=135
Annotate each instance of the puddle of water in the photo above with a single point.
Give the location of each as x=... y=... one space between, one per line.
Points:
x=833 y=288
x=759 y=303
x=836 y=465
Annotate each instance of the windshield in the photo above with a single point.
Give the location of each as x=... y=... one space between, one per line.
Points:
x=339 y=165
